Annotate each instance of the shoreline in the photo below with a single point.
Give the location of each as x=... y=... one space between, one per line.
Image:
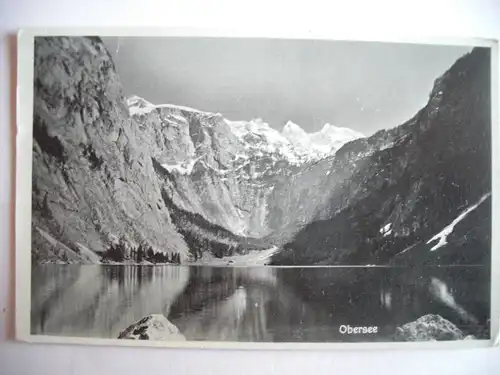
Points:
x=214 y=265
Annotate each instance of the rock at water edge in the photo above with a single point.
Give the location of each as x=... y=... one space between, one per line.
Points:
x=153 y=327
x=429 y=327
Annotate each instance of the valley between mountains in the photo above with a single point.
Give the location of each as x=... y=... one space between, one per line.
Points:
x=118 y=179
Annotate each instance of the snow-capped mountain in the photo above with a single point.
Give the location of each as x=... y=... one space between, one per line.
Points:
x=293 y=144
x=184 y=180
x=320 y=144
x=257 y=136
x=226 y=170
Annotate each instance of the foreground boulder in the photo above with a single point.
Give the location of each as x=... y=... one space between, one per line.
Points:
x=429 y=327
x=153 y=327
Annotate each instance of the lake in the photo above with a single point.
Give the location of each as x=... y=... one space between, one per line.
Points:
x=256 y=304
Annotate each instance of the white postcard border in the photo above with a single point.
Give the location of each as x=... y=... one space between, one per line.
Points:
x=23 y=191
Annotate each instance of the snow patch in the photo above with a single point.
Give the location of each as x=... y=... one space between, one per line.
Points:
x=184 y=168
x=178 y=118
x=252 y=258
x=322 y=143
x=293 y=143
x=442 y=236
x=181 y=108
x=387 y=145
x=219 y=172
x=139 y=106
x=386 y=230
x=139 y=111
x=257 y=136
x=405 y=250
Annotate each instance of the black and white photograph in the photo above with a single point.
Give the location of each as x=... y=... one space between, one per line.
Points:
x=260 y=190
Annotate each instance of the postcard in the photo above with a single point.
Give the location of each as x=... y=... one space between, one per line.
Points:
x=207 y=190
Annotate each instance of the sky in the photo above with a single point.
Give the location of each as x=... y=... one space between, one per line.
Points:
x=359 y=85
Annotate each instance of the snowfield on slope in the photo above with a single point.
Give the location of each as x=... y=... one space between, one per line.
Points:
x=442 y=236
x=139 y=106
x=253 y=258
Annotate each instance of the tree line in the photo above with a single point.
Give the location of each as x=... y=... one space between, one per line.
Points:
x=192 y=227
x=118 y=252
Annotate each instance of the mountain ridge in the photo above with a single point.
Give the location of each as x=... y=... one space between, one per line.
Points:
x=440 y=162
x=109 y=168
x=300 y=145
x=224 y=170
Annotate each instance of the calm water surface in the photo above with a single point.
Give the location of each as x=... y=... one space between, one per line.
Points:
x=255 y=303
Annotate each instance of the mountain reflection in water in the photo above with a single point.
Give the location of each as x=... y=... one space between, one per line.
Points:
x=266 y=304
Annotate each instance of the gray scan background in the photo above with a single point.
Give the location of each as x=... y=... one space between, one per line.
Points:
x=425 y=17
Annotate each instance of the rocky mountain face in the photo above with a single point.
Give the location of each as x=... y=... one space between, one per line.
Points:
x=197 y=154
x=109 y=169
x=93 y=177
x=416 y=193
x=235 y=174
x=306 y=196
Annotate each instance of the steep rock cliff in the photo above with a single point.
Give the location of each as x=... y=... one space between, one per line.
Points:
x=398 y=199
x=236 y=174
x=93 y=177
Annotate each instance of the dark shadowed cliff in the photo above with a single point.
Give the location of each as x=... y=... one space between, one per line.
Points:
x=424 y=196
